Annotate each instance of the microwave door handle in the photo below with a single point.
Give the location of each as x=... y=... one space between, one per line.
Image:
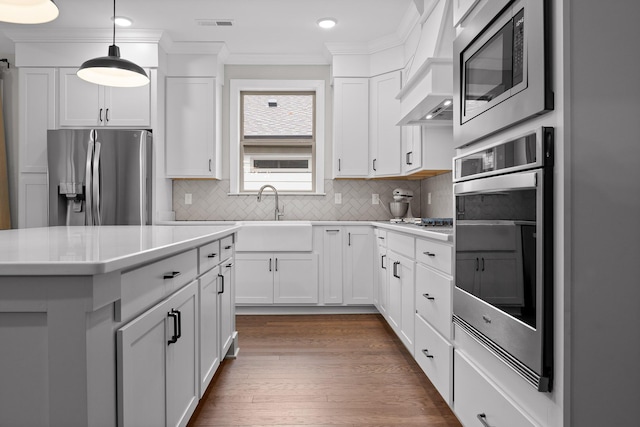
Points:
x=96 y=185
x=88 y=202
x=514 y=181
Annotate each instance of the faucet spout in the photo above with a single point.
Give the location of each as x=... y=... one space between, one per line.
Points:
x=277 y=213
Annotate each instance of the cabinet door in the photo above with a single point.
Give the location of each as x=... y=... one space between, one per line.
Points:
x=411 y=149
x=358 y=281
x=128 y=106
x=226 y=307
x=295 y=278
x=209 y=340
x=141 y=352
x=332 y=265
x=383 y=280
x=351 y=127
x=384 y=134
x=402 y=298
x=81 y=103
x=254 y=278
x=190 y=127
x=183 y=391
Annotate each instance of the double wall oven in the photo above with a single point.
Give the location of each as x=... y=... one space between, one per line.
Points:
x=504 y=251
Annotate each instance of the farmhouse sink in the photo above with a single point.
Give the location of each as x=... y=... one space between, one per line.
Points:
x=274 y=236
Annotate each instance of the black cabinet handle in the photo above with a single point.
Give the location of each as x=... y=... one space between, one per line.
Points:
x=174 y=338
x=101 y=115
x=276 y=264
x=222 y=279
x=269 y=264
x=349 y=239
x=229 y=265
x=339 y=169
x=483 y=419
x=408 y=157
x=209 y=165
x=395 y=269
x=228 y=247
x=212 y=255
x=429 y=253
x=382 y=261
x=427 y=296
x=171 y=275
x=106 y=114
x=380 y=237
x=426 y=353
x=332 y=231
x=374 y=164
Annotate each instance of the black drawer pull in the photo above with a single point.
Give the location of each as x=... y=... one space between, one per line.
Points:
x=395 y=269
x=171 y=275
x=175 y=315
x=429 y=253
x=382 y=262
x=228 y=247
x=426 y=353
x=483 y=419
x=332 y=231
x=212 y=255
x=229 y=265
x=222 y=280
x=427 y=296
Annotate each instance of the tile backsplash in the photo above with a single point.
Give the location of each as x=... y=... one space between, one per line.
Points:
x=441 y=189
x=211 y=201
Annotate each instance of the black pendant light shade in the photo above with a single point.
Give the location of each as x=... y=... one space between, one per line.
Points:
x=111 y=70
x=28 y=12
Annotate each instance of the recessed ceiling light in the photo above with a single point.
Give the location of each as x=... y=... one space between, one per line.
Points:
x=327 y=23
x=122 y=21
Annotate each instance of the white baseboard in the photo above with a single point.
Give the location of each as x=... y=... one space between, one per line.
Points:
x=316 y=309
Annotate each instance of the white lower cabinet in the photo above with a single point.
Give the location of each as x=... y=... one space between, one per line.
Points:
x=158 y=363
x=276 y=278
x=209 y=324
x=478 y=402
x=401 y=297
x=358 y=271
x=332 y=262
x=226 y=298
x=433 y=354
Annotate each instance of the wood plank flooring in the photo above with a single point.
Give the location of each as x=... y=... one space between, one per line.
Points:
x=320 y=370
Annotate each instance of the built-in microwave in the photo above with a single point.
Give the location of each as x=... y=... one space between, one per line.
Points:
x=503 y=294
x=501 y=68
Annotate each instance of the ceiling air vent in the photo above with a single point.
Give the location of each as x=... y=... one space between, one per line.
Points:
x=214 y=22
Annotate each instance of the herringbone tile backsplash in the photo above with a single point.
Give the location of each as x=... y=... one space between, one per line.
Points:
x=211 y=201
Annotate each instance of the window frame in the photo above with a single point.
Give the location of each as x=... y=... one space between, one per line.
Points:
x=277 y=142
x=257 y=85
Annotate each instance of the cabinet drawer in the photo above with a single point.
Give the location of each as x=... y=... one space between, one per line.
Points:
x=436 y=255
x=226 y=248
x=145 y=286
x=402 y=244
x=476 y=397
x=433 y=299
x=209 y=256
x=433 y=354
x=381 y=237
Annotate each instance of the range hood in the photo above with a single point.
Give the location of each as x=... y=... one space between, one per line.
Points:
x=428 y=87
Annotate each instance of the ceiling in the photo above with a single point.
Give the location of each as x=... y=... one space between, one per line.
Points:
x=260 y=27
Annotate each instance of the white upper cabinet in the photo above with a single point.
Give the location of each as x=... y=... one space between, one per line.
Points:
x=87 y=104
x=351 y=127
x=192 y=110
x=384 y=134
x=411 y=149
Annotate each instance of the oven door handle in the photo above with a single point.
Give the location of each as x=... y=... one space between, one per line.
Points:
x=514 y=181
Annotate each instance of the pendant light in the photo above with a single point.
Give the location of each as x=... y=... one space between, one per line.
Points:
x=28 y=11
x=112 y=70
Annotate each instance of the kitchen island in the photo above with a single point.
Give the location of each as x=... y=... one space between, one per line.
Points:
x=96 y=322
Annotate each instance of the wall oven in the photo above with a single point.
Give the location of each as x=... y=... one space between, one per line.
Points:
x=502 y=68
x=503 y=293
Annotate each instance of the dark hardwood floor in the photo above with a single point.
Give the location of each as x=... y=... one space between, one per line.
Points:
x=320 y=370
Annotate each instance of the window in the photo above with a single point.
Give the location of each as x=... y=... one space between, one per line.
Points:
x=279 y=129
x=277 y=140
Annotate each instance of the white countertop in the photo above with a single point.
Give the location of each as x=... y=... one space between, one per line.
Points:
x=95 y=250
x=438 y=233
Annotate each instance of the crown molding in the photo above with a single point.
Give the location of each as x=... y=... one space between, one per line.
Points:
x=87 y=35
x=277 y=59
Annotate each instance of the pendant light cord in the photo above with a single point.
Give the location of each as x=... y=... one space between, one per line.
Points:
x=114 y=22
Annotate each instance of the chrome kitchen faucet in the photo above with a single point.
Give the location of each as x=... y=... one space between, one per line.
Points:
x=277 y=213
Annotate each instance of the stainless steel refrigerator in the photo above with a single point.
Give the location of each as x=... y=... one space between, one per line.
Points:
x=99 y=176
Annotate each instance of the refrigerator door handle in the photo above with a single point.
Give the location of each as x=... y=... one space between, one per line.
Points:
x=97 y=220
x=88 y=202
